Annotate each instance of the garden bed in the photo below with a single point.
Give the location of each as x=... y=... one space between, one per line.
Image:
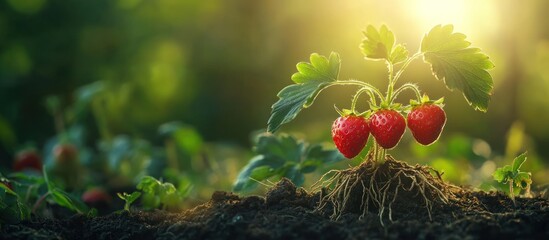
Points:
x=287 y=212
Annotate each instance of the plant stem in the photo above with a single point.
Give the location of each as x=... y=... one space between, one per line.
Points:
x=410 y=86
x=528 y=193
x=405 y=65
x=390 y=86
x=39 y=201
x=359 y=83
x=511 y=191
x=358 y=93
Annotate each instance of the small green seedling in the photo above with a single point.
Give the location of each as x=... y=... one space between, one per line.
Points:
x=512 y=175
x=129 y=199
x=158 y=194
x=283 y=156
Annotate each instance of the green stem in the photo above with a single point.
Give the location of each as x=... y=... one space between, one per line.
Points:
x=379 y=154
x=405 y=65
x=39 y=201
x=358 y=93
x=390 y=86
x=359 y=83
x=410 y=86
x=374 y=149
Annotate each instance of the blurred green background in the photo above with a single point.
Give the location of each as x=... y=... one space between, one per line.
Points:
x=218 y=65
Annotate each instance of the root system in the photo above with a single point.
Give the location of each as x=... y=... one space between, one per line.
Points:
x=388 y=189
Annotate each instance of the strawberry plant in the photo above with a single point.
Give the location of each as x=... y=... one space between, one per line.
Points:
x=453 y=61
x=512 y=175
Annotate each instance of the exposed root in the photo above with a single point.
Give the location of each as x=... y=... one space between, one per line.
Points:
x=373 y=187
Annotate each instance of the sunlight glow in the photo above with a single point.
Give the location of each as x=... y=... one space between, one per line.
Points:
x=432 y=12
x=468 y=16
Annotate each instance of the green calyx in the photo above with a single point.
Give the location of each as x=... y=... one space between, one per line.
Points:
x=426 y=101
x=351 y=112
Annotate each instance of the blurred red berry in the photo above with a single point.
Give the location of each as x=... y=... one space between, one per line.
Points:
x=96 y=196
x=27 y=159
x=64 y=153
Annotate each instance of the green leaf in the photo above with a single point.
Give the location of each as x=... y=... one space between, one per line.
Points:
x=498 y=175
x=518 y=161
x=186 y=137
x=502 y=174
x=377 y=44
x=295 y=176
x=460 y=67
x=8 y=190
x=320 y=69
x=262 y=173
x=148 y=184
x=49 y=184
x=129 y=199
x=523 y=180
x=66 y=200
x=165 y=190
x=399 y=54
x=310 y=80
x=324 y=155
x=12 y=207
x=283 y=147
x=318 y=155
x=243 y=181
x=309 y=166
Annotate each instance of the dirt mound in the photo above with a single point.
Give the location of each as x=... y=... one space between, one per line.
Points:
x=287 y=212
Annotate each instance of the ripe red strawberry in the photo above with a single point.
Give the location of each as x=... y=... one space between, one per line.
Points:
x=387 y=127
x=350 y=134
x=426 y=122
x=27 y=159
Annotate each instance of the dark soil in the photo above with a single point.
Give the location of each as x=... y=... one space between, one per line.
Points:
x=287 y=212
